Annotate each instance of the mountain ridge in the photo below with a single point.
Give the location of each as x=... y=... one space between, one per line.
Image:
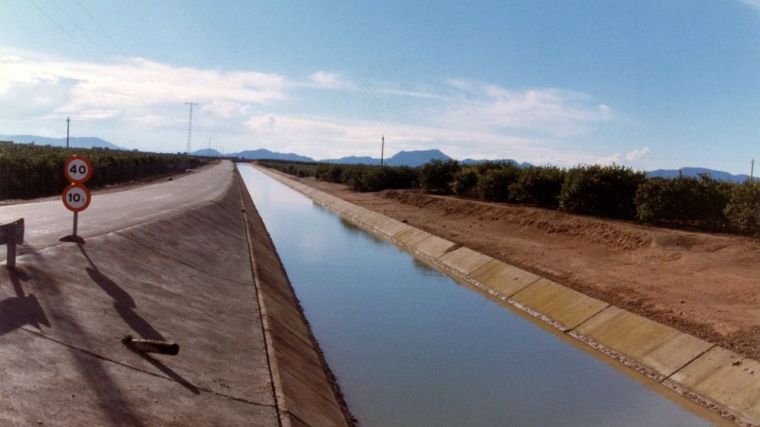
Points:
x=74 y=141
x=694 y=172
x=411 y=158
x=402 y=158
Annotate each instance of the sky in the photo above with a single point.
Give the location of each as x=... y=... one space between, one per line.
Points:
x=648 y=84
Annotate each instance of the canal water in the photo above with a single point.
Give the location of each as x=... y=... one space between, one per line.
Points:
x=412 y=347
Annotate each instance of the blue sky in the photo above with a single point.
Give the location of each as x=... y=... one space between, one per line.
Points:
x=649 y=84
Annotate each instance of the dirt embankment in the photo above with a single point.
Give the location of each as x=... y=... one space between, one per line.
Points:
x=704 y=284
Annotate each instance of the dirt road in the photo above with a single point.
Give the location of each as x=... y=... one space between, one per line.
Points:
x=704 y=284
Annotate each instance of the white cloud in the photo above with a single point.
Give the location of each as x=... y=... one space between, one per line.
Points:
x=637 y=154
x=752 y=3
x=613 y=159
x=325 y=80
x=414 y=94
x=97 y=91
x=141 y=102
x=326 y=138
x=618 y=158
x=549 y=111
x=226 y=109
x=324 y=135
x=461 y=84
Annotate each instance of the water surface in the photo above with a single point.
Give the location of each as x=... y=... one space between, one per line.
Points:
x=411 y=347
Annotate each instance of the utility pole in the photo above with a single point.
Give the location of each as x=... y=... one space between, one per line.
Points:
x=752 y=170
x=189 y=125
x=68 y=123
x=382 y=149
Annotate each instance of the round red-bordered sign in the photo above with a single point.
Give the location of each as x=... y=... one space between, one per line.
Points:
x=77 y=169
x=76 y=197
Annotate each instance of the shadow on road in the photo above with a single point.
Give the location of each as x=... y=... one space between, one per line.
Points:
x=125 y=305
x=123 y=302
x=167 y=371
x=22 y=309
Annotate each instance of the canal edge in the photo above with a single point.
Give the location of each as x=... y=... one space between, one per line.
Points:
x=707 y=375
x=305 y=389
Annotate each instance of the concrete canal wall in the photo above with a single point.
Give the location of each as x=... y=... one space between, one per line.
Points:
x=699 y=370
x=207 y=278
x=305 y=391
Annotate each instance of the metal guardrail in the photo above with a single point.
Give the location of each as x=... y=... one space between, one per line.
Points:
x=12 y=234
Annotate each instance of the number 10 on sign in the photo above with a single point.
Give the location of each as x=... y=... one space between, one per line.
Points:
x=76 y=197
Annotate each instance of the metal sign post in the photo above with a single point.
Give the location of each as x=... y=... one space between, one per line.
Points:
x=12 y=234
x=76 y=197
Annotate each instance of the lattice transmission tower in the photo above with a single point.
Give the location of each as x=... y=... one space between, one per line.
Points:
x=190 y=125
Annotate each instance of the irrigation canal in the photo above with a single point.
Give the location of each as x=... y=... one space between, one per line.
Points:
x=411 y=346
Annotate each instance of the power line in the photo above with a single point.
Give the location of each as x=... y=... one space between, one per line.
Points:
x=71 y=36
x=103 y=30
x=80 y=28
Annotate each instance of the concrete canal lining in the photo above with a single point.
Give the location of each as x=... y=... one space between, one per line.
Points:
x=660 y=348
x=701 y=371
x=305 y=391
x=560 y=304
x=505 y=279
x=465 y=260
x=190 y=277
x=726 y=379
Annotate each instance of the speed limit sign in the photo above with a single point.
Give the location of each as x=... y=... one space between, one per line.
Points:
x=76 y=197
x=77 y=169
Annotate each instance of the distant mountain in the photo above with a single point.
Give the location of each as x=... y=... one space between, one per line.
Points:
x=695 y=172
x=270 y=155
x=402 y=158
x=75 y=141
x=354 y=160
x=416 y=158
x=207 y=152
x=476 y=162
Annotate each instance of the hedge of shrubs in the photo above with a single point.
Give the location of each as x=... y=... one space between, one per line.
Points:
x=540 y=186
x=743 y=208
x=437 y=176
x=605 y=191
x=358 y=177
x=28 y=170
x=375 y=178
x=699 y=202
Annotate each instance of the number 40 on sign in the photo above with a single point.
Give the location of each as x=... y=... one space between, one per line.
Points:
x=78 y=169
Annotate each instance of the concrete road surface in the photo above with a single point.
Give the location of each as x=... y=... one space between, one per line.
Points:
x=47 y=221
x=185 y=277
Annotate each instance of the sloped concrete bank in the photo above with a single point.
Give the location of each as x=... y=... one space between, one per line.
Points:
x=187 y=278
x=305 y=389
x=713 y=376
